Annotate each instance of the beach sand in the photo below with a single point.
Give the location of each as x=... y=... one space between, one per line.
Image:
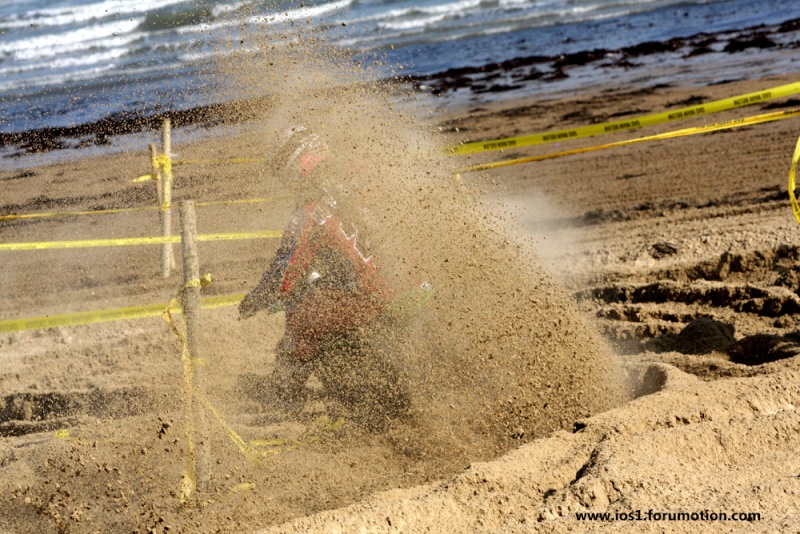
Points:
x=641 y=241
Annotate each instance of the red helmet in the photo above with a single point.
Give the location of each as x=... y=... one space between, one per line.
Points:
x=300 y=152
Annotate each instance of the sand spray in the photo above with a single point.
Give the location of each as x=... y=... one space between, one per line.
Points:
x=499 y=354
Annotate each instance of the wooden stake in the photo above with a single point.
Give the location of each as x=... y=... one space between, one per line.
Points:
x=167 y=260
x=166 y=137
x=197 y=434
x=191 y=273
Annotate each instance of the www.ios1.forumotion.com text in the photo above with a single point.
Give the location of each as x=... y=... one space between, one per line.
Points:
x=650 y=515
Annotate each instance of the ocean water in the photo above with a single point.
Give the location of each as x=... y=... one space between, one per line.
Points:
x=68 y=62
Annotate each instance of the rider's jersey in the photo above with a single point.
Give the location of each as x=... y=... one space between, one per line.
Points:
x=318 y=249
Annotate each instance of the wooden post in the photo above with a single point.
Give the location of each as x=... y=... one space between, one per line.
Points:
x=166 y=137
x=191 y=273
x=196 y=433
x=166 y=200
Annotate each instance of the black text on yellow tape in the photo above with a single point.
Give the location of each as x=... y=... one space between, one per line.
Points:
x=747 y=121
x=627 y=124
x=128 y=241
x=105 y=316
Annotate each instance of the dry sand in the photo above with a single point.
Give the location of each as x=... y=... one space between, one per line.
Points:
x=521 y=420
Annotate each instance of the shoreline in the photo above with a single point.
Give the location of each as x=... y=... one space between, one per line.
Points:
x=482 y=79
x=459 y=87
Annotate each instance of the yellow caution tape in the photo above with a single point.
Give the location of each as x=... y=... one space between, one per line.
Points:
x=217 y=161
x=128 y=241
x=322 y=425
x=792 y=171
x=165 y=163
x=61 y=434
x=210 y=303
x=247 y=451
x=627 y=124
x=155 y=165
x=202 y=283
x=73 y=213
x=174 y=304
x=735 y=123
x=189 y=480
x=64 y=434
x=244 y=486
x=238 y=488
x=256 y=200
x=105 y=316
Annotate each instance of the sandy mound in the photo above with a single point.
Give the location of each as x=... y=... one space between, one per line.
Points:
x=693 y=448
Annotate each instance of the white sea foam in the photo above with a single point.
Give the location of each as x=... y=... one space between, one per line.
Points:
x=413 y=24
x=218 y=10
x=58 y=79
x=66 y=62
x=520 y=3
x=61 y=16
x=306 y=12
x=471 y=32
x=84 y=39
x=286 y=16
x=449 y=8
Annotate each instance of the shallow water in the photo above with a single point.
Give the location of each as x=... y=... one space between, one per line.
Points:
x=64 y=63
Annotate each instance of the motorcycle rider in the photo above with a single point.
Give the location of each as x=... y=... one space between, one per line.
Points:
x=328 y=282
